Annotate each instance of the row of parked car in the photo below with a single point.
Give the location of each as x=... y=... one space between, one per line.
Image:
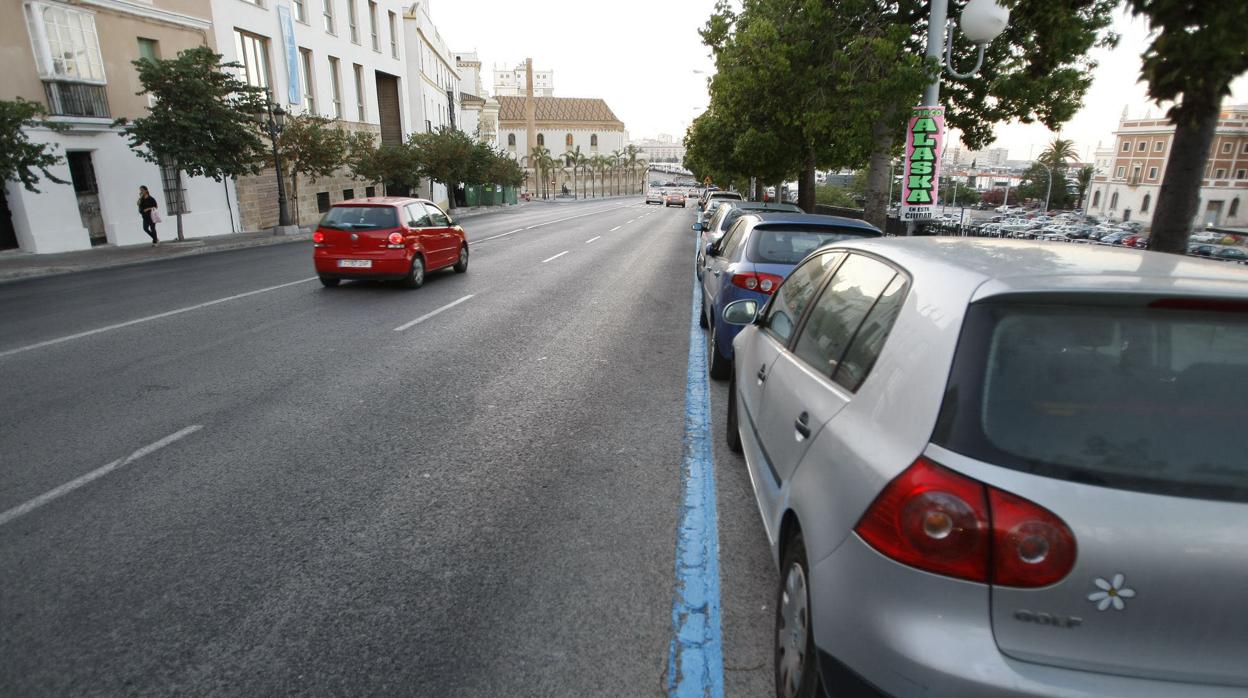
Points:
x=985 y=467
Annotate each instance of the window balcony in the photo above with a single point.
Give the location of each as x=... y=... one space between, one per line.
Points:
x=76 y=99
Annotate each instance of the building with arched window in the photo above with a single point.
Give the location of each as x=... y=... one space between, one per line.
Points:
x=562 y=124
x=1130 y=172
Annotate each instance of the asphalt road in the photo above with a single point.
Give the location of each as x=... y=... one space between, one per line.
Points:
x=484 y=503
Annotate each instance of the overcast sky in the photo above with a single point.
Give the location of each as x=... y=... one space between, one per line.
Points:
x=640 y=56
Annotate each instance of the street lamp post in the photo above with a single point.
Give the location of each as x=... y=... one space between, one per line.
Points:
x=275 y=124
x=1049 y=192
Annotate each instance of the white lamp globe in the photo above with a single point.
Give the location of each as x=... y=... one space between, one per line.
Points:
x=984 y=20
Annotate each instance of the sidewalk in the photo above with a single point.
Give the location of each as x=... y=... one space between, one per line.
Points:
x=15 y=264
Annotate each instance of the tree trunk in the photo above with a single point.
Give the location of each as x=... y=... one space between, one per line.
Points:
x=294 y=195
x=177 y=196
x=806 y=184
x=758 y=189
x=880 y=172
x=1179 y=197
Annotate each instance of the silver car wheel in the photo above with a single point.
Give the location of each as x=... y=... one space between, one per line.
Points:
x=793 y=629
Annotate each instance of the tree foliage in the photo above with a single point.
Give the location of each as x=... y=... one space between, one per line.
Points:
x=204 y=118
x=446 y=155
x=396 y=167
x=1197 y=49
x=1059 y=152
x=19 y=157
x=1035 y=186
x=310 y=146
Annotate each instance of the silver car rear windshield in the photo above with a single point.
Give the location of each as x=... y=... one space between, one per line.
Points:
x=360 y=218
x=1151 y=398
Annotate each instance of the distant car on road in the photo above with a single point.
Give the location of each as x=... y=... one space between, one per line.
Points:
x=718 y=194
x=1233 y=254
x=387 y=239
x=674 y=198
x=1001 y=443
x=654 y=196
x=751 y=261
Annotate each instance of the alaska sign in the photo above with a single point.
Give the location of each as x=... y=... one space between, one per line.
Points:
x=925 y=138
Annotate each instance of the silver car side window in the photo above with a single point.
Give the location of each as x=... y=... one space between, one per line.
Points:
x=866 y=346
x=836 y=315
x=795 y=293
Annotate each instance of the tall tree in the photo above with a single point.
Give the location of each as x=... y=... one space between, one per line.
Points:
x=617 y=160
x=311 y=146
x=577 y=161
x=395 y=167
x=445 y=156
x=1083 y=180
x=19 y=156
x=1059 y=152
x=632 y=158
x=1035 y=185
x=1197 y=49
x=203 y=120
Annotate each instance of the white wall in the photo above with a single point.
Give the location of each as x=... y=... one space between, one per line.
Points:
x=608 y=140
x=49 y=221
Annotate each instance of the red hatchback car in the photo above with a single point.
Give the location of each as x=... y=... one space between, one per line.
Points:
x=387 y=239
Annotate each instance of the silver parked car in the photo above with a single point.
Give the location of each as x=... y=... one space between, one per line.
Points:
x=997 y=468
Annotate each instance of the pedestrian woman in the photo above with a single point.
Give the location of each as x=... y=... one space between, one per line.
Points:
x=147 y=209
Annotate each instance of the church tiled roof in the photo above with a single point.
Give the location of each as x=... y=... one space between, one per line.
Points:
x=560 y=109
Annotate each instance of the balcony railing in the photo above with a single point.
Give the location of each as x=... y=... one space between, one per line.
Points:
x=76 y=99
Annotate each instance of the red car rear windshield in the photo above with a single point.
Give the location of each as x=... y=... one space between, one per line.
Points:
x=1152 y=398
x=360 y=218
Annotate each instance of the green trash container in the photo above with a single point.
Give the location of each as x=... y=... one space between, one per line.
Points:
x=510 y=195
x=488 y=196
x=472 y=195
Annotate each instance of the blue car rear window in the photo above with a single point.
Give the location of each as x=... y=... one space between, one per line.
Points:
x=790 y=243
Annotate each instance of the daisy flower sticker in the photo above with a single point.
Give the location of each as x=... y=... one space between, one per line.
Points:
x=1111 y=593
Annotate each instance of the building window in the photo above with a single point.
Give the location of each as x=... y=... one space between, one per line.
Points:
x=327 y=12
x=1142 y=147
x=372 y=24
x=359 y=91
x=253 y=54
x=175 y=196
x=301 y=12
x=511 y=141
x=1239 y=174
x=66 y=45
x=567 y=141
x=309 y=82
x=370 y=191
x=348 y=194
x=1226 y=147
x=1096 y=199
x=353 y=22
x=1244 y=150
x=593 y=140
x=149 y=49
x=1122 y=172
x=335 y=86
x=541 y=140
x=322 y=201
x=1159 y=146
x=394 y=36
x=1113 y=201
x=1152 y=173
x=1234 y=210
x=1148 y=199
x=1219 y=174
x=1126 y=147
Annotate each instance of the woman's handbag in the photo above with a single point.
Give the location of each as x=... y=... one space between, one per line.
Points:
x=156 y=217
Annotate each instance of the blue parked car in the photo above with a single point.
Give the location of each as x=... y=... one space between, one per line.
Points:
x=753 y=258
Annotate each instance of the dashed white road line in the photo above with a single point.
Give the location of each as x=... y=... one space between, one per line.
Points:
x=30 y=505
x=430 y=314
x=149 y=318
x=555 y=257
x=615 y=229
x=495 y=237
x=592 y=239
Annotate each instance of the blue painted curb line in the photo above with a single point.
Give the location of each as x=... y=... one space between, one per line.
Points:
x=695 y=663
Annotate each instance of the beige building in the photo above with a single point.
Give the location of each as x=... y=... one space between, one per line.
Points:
x=75 y=58
x=1128 y=178
x=561 y=125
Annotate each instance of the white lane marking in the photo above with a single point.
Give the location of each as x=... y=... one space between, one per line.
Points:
x=31 y=505
x=592 y=239
x=430 y=314
x=555 y=257
x=149 y=318
x=495 y=237
x=615 y=229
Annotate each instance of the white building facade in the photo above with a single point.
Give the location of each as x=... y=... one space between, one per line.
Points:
x=513 y=82
x=340 y=59
x=1128 y=179
x=76 y=60
x=434 y=88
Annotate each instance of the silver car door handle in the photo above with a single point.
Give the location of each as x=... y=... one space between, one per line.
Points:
x=715 y=272
x=762 y=373
x=803 y=425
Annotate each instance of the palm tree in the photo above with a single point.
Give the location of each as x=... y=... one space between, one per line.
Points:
x=601 y=163
x=1083 y=179
x=539 y=160
x=1059 y=152
x=577 y=161
x=617 y=157
x=630 y=154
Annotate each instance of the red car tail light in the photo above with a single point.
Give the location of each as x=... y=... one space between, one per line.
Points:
x=396 y=238
x=752 y=281
x=939 y=521
x=318 y=238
